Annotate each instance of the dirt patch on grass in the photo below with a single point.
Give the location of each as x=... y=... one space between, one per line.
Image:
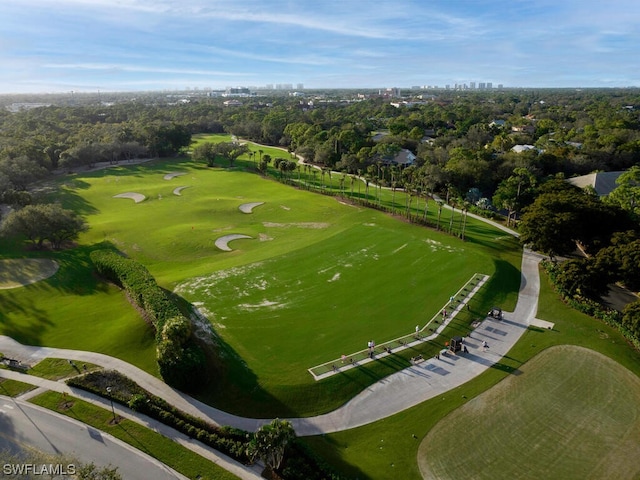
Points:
x=18 y=272
x=317 y=225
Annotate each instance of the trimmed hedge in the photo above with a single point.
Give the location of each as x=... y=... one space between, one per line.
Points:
x=181 y=361
x=300 y=463
x=230 y=441
x=138 y=283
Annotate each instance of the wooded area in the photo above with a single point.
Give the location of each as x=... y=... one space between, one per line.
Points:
x=462 y=142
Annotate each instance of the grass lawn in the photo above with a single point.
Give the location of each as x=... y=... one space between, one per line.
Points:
x=73 y=309
x=317 y=279
x=542 y=422
x=13 y=388
x=165 y=450
x=358 y=451
x=58 y=368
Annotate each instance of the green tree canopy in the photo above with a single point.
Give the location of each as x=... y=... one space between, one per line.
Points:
x=42 y=222
x=270 y=442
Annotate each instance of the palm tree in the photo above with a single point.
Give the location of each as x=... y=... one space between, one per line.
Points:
x=353 y=179
x=393 y=196
x=453 y=211
x=270 y=441
x=464 y=224
x=440 y=203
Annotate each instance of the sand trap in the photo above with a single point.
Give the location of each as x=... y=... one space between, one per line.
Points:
x=248 y=207
x=18 y=272
x=169 y=176
x=136 y=197
x=223 y=242
x=177 y=190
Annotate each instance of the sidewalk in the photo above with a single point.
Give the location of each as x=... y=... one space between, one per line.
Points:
x=434 y=377
x=391 y=395
x=242 y=471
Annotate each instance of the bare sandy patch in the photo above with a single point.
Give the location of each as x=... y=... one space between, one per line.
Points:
x=248 y=207
x=223 y=242
x=18 y=272
x=136 y=197
x=263 y=304
x=178 y=190
x=263 y=237
x=317 y=225
x=171 y=175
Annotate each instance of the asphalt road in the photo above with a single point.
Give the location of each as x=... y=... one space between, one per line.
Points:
x=23 y=424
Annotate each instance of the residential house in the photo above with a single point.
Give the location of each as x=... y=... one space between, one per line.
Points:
x=602 y=182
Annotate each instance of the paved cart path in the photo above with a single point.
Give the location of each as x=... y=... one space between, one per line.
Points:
x=390 y=395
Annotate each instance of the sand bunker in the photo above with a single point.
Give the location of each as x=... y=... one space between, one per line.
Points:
x=169 y=176
x=177 y=190
x=136 y=197
x=18 y=272
x=223 y=242
x=248 y=207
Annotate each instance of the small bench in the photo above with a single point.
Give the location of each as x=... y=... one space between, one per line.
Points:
x=417 y=359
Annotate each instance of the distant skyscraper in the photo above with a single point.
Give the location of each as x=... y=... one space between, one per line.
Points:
x=472 y=85
x=489 y=85
x=300 y=86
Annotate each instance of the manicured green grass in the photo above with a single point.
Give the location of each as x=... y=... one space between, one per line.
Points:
x=358 y=451
x=319 y=278
x=544 y=423
x=58 y=368
x=13 y=388
x=165 y=450
x=73 y=309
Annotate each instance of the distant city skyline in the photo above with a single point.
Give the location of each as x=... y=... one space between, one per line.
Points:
x=134 y=45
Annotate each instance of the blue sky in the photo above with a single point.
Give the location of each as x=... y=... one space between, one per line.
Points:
x=124 y=45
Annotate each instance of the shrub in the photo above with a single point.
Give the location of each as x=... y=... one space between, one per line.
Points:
x=181 y=361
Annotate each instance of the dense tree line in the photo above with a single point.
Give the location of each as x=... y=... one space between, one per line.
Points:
x=462 y=142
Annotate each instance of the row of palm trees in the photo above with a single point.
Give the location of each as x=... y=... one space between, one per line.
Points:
x=414 y=185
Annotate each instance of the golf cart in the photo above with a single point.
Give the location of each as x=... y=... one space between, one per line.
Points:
x=496 y=313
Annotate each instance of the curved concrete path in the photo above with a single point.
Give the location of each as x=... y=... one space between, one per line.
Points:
x=391 y=395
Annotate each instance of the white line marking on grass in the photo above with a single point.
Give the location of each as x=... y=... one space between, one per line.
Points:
x=335 y=277
x=399 y=248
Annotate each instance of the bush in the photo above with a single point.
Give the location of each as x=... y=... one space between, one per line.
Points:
x=181 y=361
